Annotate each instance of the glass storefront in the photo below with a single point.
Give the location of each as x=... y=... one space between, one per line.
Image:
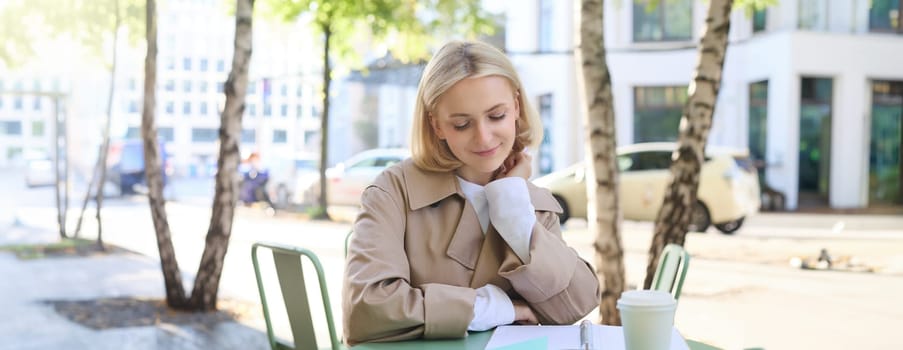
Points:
x=815 y=140
x=885 y=166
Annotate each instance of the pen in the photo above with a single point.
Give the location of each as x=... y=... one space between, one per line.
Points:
x=586 y=335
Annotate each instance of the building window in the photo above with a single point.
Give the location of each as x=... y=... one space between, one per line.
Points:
x=283 y=110
x=267 y=110
x=17 y=103
x=165 y=134
x=546 y=164
x=758 y=124
x=299 y=92
x=884 y=16
x=815 y=137
x=37 y=128
x=170 y=107
x=11 y=127
x=170 y=85
x=132 y=84
x=133 y=132
x=186 y=86
x=545 y=25
x=204 y=134
x=759 y=20
x=133 y=106
x=220 y=65
x=186 y=108
x=248 y=136
x=186 y=64
x=813 y=14
x=280 y=136
x=36 y=104
x=657 y=112
x=202 y=109
x=252 y=87
x=203 y=65
x=170 y=63
x=202 y=86
x=221 y=87
x=252 y=109
x=886 y=144
x=283 y=90
x=669 y=20
x=298 y=110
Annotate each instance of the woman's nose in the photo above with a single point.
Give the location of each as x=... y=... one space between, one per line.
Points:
x=484 y=133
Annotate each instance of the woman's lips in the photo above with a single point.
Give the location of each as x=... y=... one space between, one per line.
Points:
x=488 y=152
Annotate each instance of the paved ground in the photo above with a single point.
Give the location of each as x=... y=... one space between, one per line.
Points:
x=27 y=322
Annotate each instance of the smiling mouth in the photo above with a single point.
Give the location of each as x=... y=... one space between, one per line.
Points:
x=488 y=152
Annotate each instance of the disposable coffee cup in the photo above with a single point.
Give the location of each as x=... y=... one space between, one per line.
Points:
x=647 y=317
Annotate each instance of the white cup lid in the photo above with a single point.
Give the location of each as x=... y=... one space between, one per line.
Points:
x=646 y=298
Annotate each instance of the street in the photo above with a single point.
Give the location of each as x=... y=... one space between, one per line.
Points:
x=741 y=291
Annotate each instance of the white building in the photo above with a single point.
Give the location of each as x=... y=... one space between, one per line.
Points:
x=195 y=46
x=815 y=87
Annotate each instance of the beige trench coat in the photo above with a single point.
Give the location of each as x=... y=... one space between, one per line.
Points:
x=418 y=253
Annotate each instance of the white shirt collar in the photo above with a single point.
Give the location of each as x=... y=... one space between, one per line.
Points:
x=476 y=194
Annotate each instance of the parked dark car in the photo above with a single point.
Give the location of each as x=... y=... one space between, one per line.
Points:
x=126 y=166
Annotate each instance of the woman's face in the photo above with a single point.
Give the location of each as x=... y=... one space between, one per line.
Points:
x=476 y=117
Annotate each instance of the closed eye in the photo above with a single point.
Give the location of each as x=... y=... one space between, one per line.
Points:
x=498 y=116
x=462 y=126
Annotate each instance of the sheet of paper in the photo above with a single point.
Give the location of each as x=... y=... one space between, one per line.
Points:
x=566 y=337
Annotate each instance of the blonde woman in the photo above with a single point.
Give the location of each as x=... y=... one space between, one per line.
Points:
x=456 y=238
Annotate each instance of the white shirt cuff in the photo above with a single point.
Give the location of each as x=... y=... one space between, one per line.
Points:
x=491 y=308
x=512 y=213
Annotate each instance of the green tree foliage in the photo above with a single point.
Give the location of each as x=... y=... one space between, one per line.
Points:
x=25 y=23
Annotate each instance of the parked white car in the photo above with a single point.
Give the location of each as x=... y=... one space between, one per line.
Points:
x=291 y=177
x=728 y=186
x=347 y=180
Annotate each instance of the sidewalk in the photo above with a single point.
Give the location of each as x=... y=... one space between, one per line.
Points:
x=27 y=321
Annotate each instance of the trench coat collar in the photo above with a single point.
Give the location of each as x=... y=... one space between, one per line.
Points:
x=429 y=187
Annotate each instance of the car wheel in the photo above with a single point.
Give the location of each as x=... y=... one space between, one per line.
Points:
x=565 y=213
x=730 y=227
x=699 y=218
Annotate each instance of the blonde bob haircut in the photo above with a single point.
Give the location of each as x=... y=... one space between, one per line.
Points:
x=456 y=61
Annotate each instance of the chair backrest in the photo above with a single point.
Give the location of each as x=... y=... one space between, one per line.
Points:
x=348 y=240
x=291 y=281
x=673 y=263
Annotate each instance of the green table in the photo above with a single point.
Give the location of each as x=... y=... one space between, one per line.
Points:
x=473 y=341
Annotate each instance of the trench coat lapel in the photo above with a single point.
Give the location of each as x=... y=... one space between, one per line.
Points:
x=490 y=259
x=468 y=236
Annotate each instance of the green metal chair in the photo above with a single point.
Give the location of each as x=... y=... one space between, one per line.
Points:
x=348 y=240
x=672 y=269
x=291 y=281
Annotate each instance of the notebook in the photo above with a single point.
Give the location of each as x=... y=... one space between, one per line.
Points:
x=565 y=337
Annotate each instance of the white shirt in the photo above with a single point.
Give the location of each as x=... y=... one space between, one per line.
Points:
x=506 y=204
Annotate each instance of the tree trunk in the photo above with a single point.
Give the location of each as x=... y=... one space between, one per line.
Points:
x=62 y=200
x=324 y=121
x=206 y=284
x=94 y=174
x=105 y=149
x=673 y=218
x=175 y=291
x=601 y=171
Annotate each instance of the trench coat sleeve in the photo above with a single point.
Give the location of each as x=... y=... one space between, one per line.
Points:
x=379 y=303
x=559 y=286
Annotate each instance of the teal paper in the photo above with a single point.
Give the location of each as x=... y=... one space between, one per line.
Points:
x=541 y=343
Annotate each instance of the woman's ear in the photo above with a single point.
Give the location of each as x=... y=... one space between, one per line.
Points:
x=434 y=123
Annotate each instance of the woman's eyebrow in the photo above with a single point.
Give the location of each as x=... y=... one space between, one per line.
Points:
x=454 y=115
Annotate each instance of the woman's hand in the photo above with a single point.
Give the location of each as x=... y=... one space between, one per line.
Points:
x=523 y=314
x=518 y=164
